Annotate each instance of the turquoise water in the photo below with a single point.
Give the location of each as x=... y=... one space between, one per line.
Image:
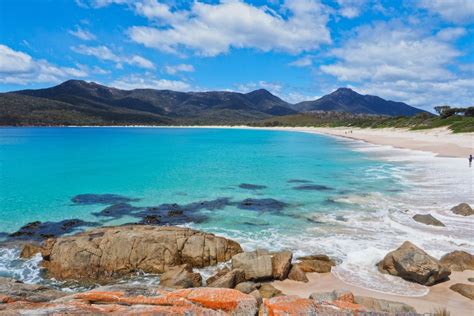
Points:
x=360 y=207
x=43 y=168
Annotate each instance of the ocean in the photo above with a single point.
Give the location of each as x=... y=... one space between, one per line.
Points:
x=267 y=189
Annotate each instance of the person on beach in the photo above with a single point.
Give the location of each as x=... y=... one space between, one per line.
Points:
x=470 y=161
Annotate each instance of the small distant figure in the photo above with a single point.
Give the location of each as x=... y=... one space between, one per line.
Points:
x=470 y=161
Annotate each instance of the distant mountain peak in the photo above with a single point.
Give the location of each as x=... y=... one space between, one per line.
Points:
x=347 y=100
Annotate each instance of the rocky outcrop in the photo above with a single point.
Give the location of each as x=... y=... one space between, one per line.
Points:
x=427 y=219
x=458 y=261
x=466 y=290
x=13 y=291
x=257 y=265
x=281 y=264
x=463 y=209
x=413 y=264
x=125 y=300
x=296 y=274
x=30 y=250
x=102 y=254
x=316 y=263
x=181 y=277
x=226 y=278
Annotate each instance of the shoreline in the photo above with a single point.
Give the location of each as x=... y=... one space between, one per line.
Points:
x=439 y=295
x=440 y=142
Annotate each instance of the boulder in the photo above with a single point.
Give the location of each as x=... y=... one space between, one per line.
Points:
x=28 y=251
x=181 y=277
x=458 y=261
x=428 y=219
x=268 y=291
x=296 y=274
x=281 y=264
x=257 y=265
x=466 y=290
x=226 y=278
x=102 y=254
x=247 y=287
x=413 y=264
x=463 y=209
x=13 y=291
x=316 y=263
x=386 y=306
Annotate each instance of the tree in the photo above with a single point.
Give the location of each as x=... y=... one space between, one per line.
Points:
x=445 y=111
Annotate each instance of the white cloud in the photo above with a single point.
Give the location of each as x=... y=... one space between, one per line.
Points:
x=451 y=33
x=136 y=81
x=104 y=53
x=350 y=8
x=99 y=3
x=457 y=11
x=212 y=29
x=82 y=34
x=304 y=61
x=398 y=61
x=20 y=68
x=172 y=70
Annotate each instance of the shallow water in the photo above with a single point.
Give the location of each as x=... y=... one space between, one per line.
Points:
x=348 y=199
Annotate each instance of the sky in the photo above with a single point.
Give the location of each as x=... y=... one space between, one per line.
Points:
x=416 y=51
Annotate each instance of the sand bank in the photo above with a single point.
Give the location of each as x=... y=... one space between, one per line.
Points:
x=439 y=295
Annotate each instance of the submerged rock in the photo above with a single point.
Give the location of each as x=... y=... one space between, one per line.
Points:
x=312 y=187
x=102 y=199
x=249 y=186
x=466 y=290
x=181 y=277
x=427 y=219
x=458 y=261
x=42 y=230
x=102 y=254
x=463 y=209
x=413 y=264
x=267 y=204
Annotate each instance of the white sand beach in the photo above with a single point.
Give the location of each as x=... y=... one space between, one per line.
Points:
x=439 y=296
x=440 y=141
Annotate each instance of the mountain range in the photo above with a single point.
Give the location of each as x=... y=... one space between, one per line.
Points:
x=77 y=102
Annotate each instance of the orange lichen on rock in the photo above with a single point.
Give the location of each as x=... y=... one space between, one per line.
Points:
x=228 y=300
x=288 y=305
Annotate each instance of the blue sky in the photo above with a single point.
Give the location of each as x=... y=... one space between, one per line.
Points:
x=420 y=52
